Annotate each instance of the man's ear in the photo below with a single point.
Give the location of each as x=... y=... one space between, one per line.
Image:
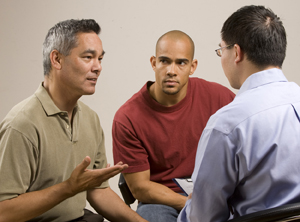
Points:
x=239 y=54
x=56 y=59
x=194 y=66
x=153 y=62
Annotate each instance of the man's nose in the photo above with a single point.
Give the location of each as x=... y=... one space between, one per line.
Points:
x=97 y=66
x=172 y=69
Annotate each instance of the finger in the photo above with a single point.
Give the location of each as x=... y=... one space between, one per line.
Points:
x=120 y=163
x=125 y=166
x=107 y=173
x=110 y=172
x=85 y=163
x=114 y=170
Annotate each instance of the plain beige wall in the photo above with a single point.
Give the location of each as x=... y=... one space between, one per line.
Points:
x=130 y=29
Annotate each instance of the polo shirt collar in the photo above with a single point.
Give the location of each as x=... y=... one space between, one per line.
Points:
x=48 y=104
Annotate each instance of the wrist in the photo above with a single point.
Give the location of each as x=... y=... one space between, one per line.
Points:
x=68 y=189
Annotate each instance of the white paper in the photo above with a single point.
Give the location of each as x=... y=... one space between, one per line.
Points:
x=186 y=184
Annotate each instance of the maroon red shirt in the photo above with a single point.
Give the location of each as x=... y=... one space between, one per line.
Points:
x=148 y=135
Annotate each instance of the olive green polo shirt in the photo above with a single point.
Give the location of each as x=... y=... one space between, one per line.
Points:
x=39 y=148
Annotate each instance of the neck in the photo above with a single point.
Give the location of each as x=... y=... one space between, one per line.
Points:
x=250 y=69
x=166 y=99
x=61 y=98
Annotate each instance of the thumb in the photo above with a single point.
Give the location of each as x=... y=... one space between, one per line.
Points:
x=85 y=163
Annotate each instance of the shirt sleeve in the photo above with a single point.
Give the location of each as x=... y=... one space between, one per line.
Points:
x=18 y=164
x=100 y=159
x=214 y=179
x=128 y=148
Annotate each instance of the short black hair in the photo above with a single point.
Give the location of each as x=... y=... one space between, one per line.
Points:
x=259 y=33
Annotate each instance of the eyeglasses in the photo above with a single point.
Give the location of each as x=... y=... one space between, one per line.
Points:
x=219 y=50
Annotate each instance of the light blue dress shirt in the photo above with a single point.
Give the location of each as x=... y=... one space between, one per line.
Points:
x=248 y=156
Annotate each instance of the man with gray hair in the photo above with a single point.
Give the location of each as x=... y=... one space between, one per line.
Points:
x=52 y=145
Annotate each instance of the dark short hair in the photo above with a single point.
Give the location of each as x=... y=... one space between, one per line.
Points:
x=63 y=38
x=259 y=33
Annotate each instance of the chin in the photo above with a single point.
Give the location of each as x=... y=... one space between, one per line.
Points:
x=89 y=92
x=171 y=92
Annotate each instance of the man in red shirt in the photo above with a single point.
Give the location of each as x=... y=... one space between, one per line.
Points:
x=156 y=132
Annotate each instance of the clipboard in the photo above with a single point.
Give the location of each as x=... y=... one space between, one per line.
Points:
x=185 y=184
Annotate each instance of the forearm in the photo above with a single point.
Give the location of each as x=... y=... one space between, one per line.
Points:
x=155 y=193
x=107 y=203
x=32 y=204
x=29 y=205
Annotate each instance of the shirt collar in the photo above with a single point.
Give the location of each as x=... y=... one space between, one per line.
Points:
x=47 y=103
x=262 y=78
x=167 y=109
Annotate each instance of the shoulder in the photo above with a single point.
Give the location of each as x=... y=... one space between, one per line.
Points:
x=86 y=109
x=207 y=84
x=210 y=88
x=211 y=93
x=88 y=117
x=22 y=113
x=239 y=111
x=229 y=118
x=133 y=105
x=23 y=119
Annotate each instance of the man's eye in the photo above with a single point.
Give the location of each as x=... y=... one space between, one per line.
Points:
x=163 y=61
x=181 y=63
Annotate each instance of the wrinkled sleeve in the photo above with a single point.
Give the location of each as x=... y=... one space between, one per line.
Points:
x=100 y=159
x=18 y=163
x=127 y=147
x=214 y=179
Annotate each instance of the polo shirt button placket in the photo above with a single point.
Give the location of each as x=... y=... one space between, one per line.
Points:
x=69 y=131
x=64 y=115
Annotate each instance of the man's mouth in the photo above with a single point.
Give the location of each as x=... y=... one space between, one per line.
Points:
x=171 y=82
x=92 y=79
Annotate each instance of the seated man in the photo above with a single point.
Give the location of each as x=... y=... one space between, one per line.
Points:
x=247 y=158
x=157 y=131
x=52 y=154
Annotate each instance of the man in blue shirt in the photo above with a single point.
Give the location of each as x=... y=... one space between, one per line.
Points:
x=247 y=158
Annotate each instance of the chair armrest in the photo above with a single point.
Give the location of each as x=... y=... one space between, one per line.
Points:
x=273 y=214
x=125 y=191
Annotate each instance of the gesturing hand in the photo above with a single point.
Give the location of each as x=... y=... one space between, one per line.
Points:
x=83 y=179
